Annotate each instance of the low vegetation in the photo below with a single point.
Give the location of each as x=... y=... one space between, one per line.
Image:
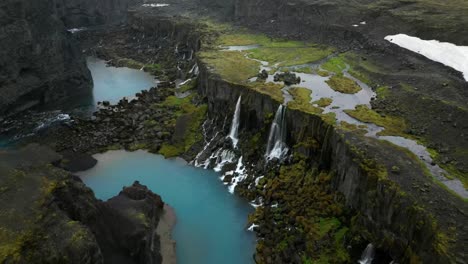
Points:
x=307 y=219
x=271 y=89
x=323 y=102
x=343 y=84
x=302 y=100
x=394 y=126
x=232 y=66
x=192 y=115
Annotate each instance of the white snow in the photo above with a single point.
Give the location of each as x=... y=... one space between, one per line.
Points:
x=446 y=53
x=155 y=5
x=75 y=30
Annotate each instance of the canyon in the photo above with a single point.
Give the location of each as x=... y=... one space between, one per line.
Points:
x=322 y=188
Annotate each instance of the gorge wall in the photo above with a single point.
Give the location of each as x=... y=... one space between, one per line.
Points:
x=39 y=60
x=408 y=225
x=85 y=13
x=313 y=18
x=389 y=215
x=50 y=216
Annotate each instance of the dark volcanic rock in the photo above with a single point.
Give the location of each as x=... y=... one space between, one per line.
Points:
x=39 y=61
x=54 y=218
x=84 y=13
x=287 y=77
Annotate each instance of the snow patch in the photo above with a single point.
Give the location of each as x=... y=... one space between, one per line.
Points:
x=446 y=53
x=76 y=30
x=154 y=5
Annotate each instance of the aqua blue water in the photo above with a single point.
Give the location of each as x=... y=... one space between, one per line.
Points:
x=211 y=222
x=112 y=84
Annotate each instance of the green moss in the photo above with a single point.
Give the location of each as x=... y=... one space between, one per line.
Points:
x=373 y=169
x=323 y=73
x=193 y=134
x=307 y=69
x=271 y=89
x=232 y=66
x=190 y=85
x=130 y=63
x=184 y=108
x=343 y=84
x=351 y=127
x=243 y=39
x=394 y=126
x=171 y=151
x=335 y=64
x=382 y=92
x=137 y=146
x=329 y=118
x=290 y=53
x=153 y=68
x=326 y=225
x=451 y=169
x=302 y=98
x=173 y=101
x=308 y=213
x=323 y=102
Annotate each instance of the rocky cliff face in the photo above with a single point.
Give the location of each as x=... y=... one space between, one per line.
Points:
x=39 y=61
x=389 y=211
x=319 y=19
x=84 y=13
x=49 y=216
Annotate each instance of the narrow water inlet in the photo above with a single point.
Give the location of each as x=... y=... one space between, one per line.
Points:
x=211 y=223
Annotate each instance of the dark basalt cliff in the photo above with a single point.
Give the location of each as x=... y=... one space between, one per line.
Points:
x=50 y=216
x=84 y=13
x=391 y=213
x=316 y=18
x=39 y=60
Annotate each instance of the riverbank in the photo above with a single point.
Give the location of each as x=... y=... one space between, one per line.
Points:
x=332 y=190
x=211 y=223
x=165 y=226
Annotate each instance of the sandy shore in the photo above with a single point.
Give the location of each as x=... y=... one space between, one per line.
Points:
x=164 y=230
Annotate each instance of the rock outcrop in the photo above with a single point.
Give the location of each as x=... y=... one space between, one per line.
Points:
x=389 y=210
x=85 y=13
x=50 y=216
x=344 y=20
x=39 y=60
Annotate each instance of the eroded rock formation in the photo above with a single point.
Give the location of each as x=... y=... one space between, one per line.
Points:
x=39 y=60
x=49 y=216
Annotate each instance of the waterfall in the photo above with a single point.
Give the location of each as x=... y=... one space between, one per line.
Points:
x=235 y=124
x=368 y=255
x=223 y=156
x=276 y=146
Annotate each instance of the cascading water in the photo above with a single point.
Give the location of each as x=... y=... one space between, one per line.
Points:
x=368 y=255
x=235 y=124
x=223 y=156
x=276 y=146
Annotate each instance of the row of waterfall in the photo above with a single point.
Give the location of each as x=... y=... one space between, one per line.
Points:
x=276 y=146
x=217 y=157
x=234 y=133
